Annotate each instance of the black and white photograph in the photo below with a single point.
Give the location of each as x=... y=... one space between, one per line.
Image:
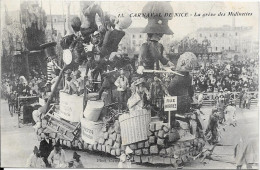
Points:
x=129 y=84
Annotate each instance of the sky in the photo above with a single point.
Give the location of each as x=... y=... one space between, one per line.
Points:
x=181 y=26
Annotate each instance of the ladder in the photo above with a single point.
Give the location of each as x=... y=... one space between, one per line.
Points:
x=64 y=129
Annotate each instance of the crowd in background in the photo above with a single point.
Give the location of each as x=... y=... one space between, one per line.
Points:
x=233 y=77
x=240 y=76
x=21 y=86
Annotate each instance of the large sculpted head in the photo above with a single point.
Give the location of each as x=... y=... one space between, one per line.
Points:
x=187 y=62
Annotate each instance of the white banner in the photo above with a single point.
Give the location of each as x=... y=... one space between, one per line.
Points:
x=170 y=103
x=90 y=131
x=71 y=107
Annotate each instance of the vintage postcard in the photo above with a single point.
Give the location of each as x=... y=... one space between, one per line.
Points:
x=129 y=84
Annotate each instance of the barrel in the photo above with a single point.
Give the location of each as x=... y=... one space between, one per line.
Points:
x=93 y=110
x=134 y=126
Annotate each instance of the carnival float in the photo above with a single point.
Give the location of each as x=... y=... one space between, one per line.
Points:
x=160 y=124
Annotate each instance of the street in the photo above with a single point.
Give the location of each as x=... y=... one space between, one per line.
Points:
x=18 y=143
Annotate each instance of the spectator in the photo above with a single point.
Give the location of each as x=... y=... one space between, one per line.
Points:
x=46 y=148
x=35 y=160
x=57 y=157
x=76 y=162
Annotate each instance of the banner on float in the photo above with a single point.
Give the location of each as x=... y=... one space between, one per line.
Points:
x=170 y=103
x=90 y=131
x=71 y=107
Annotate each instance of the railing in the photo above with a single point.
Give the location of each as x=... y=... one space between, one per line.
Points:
x=209 y=98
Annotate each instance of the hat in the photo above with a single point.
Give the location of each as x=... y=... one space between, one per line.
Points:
x=75 y=24
x=139 y=81
x=57 y=144
x=158 y=16
x=49 y=49
x=76 y=156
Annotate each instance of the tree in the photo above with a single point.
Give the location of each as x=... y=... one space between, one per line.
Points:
x=191 y=45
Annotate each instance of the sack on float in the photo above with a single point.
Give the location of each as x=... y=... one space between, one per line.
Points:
x=174 y=135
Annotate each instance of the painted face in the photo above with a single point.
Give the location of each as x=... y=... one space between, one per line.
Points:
x=157 y=37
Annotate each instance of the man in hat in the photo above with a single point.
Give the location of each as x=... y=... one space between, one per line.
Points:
x=69 y=87
x=79 y=82
x=57 y=157
x=46 y=148
x=76 y=162
x=143 y=92
x=211 y=132
x=122 y=85
x=157 y=91
x=151 y=52
x=35 y=160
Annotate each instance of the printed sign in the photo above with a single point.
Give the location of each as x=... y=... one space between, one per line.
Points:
x=170 y=103
x=71 y=107
x=90 y=131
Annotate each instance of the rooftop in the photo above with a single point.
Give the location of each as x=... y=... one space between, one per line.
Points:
x=224 y=28
x=134 y=30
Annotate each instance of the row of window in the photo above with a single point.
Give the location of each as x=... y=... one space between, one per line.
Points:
x=140 y=36
x=223 y=48
x=216 y=35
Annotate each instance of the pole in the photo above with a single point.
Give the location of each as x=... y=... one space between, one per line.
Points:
x=64 y=20
x=51 y=22
x=46 y=106
x=69 y=29
x=169 y=119
x=27 y=65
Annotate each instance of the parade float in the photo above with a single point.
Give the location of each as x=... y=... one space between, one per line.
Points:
x=89 y=123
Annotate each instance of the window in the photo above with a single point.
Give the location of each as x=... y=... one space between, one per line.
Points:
x=140 y=36
x=223 y=35
x=209 y=35
x=229 y=48
x=216 y=34
x=54 y=19
x=236 y=33
x=216 y=48
x=133 y=36
x=223 y=48
x=200 y=35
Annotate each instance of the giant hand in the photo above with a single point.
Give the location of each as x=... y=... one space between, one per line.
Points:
x=140 y=70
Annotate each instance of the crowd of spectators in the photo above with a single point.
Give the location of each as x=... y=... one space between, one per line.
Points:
x=34 y=86
x=232 y=77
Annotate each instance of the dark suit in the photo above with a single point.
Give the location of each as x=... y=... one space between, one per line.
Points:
x=45 y=149
x=151 y=53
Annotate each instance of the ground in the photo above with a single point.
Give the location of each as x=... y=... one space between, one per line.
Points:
x=18 y=143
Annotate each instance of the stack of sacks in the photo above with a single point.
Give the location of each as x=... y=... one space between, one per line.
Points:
x=165 y=146
x=110 y=140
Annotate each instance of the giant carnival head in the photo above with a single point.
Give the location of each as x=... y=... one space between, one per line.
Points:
x=158 y=15
x=187 y=62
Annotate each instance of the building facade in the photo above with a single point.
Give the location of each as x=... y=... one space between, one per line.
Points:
x=229 y=39
x=134 y=39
